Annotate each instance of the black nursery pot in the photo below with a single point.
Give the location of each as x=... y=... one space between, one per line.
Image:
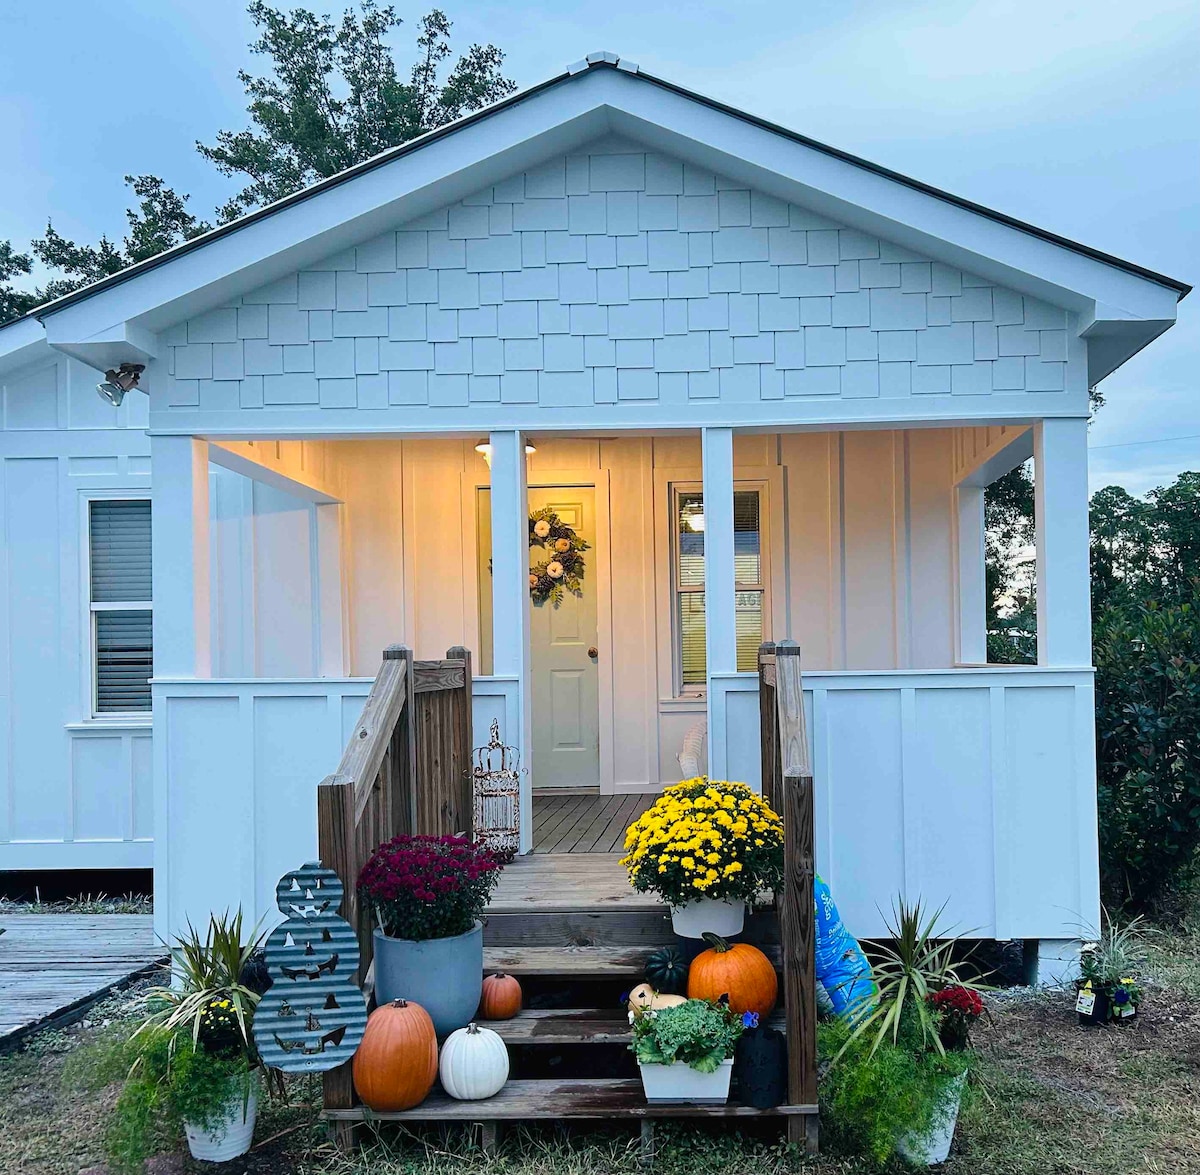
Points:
x=760 y=1068
x=1101 y=1010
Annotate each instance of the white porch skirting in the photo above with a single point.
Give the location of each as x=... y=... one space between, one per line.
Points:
x=969 y=787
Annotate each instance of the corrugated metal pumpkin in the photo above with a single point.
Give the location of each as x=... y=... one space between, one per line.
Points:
x=397 y=1062
x=474 y=1064
x=738 y=970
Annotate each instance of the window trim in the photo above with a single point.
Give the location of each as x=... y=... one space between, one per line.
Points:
x=760 y=485
x=91 y=607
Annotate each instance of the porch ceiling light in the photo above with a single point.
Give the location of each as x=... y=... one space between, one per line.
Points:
x=484 y=449
x=117 y=383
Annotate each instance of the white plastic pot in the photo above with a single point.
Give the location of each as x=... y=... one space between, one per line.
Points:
x=934 y=1147
x=682 y=1083
x=708 y=915
x=230 y=1138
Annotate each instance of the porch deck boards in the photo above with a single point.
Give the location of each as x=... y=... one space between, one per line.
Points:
x=547 y=883
x=54 y=966
x=586 y=823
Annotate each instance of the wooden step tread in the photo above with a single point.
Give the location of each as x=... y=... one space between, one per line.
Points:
x=609 y=962
x=572 y=962
x=568 y=1098
x=573 y=1026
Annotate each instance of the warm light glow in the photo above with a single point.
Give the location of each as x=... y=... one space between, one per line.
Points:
x=697 y=522
x=484 y=449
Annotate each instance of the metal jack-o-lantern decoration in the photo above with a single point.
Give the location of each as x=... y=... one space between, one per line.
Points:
x=497 y=786
x=313 y=1017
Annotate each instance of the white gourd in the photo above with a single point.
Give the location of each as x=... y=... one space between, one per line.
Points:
x=474 y=1064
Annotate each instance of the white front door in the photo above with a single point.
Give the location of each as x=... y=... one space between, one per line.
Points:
x=566 y=696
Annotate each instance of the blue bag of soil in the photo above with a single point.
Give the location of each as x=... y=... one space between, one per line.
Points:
x=842 y=968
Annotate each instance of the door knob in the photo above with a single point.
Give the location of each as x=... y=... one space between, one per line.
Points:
x=593 y=652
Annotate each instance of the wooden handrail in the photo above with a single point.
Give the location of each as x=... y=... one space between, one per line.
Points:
x=405 y=769
x=787 y=784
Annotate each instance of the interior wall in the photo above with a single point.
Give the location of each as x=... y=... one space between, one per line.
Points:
x=859 y=528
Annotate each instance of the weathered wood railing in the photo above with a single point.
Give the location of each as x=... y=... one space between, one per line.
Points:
x=406 y=769
x=787 y=785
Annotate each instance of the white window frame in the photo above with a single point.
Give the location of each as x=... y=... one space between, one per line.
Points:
x=93 y=608
x=675 y=490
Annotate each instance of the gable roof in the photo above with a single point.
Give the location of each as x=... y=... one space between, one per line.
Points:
x=1125 y=302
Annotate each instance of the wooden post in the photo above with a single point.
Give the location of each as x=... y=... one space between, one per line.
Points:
x=335 y=840
x=971 y=596
x=1064 y=624
x=510 y=598
x=797 y=919
x=463 y=736
x=769 y=724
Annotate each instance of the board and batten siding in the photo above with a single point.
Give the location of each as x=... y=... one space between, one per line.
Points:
x=858 y=537
x=74 y=792
x=629 y=284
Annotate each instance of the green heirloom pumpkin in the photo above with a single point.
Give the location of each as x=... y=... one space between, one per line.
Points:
x=667 y=970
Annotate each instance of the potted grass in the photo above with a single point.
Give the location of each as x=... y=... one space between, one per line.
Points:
x=191 y=1064
x=428 y=894
x=1106 y=989
x=909 y=1053
x=707 y=848
x=685 y=1051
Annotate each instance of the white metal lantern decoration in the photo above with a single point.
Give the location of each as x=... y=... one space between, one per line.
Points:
x=497 y=784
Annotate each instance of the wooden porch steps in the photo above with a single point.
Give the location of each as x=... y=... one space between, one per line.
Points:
x=569 y=1098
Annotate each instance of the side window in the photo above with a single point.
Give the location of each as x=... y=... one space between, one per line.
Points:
x=688 y=529
x=122 y=652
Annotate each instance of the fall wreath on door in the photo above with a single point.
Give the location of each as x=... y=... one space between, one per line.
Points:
x=562 y=568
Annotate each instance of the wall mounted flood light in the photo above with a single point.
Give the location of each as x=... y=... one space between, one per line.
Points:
x=117 y=383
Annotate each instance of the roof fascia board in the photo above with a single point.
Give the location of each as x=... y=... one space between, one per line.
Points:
x=862 y=198
x=304 y=232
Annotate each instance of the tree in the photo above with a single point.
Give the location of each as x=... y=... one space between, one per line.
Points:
x=332 y=98
x=14 y=302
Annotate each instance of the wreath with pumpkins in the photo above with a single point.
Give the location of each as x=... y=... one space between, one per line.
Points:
x=562 y=568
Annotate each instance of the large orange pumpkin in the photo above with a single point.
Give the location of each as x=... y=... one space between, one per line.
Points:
x=501 y=998
x=397 y=1061
x=740 y=971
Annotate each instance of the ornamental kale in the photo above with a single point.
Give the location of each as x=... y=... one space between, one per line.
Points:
x=696 y=1033
x=423 y=887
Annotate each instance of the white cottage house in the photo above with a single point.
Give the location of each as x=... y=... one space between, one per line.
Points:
x=766 y=381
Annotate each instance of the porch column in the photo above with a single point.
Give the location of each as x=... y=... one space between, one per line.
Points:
x=972 y=588
x=510 y=596
x=720 y=622
x=180 y=579
x=1064 y=625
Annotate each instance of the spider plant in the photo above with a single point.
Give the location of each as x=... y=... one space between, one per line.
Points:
x=207 y=971
x=918 y=962
x=1114 y=951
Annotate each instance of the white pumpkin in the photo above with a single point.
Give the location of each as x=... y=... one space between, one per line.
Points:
x=474 y=1064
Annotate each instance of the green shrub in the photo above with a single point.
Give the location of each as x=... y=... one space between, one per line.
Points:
x=1148 y=750
x=872 y=1096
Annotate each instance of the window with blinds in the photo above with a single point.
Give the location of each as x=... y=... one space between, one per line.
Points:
x=688 y=526
x=119 y=577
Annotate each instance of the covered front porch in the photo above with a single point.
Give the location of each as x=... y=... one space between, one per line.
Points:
x=283 y=567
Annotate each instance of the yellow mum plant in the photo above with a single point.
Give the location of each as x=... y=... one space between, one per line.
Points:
x=705 y=839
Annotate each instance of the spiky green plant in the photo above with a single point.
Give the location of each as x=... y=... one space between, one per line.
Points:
x=206 y=972
x=917 y=962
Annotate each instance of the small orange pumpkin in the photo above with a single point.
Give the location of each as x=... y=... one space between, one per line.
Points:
x=397 y=1062
x=740 y=971
x=501 y=998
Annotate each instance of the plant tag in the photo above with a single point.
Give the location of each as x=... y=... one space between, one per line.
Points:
x=1086 y=1003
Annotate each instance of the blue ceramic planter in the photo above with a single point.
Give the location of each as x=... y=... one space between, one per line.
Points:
x=443 y=975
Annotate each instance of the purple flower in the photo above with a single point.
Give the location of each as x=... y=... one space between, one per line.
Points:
x=749 y=1019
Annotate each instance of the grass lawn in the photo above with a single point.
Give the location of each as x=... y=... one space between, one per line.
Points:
x=1046 y=1096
